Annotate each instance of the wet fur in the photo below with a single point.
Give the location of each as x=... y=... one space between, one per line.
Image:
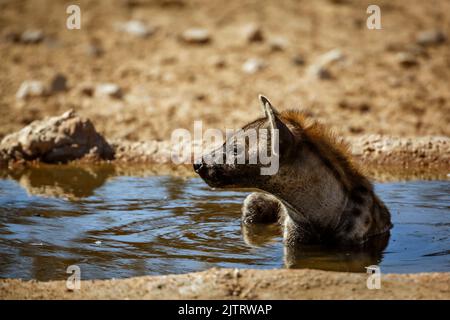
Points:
x=318 y=194
x=364 y=216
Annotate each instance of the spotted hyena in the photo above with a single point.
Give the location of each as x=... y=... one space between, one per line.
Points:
x=317 y=194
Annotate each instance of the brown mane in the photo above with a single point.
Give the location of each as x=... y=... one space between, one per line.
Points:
x=333 y=151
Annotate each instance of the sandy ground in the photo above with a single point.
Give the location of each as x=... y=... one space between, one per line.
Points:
x=240 y=284
x=168 y=84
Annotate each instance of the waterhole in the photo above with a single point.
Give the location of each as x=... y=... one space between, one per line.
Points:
x=116 y=226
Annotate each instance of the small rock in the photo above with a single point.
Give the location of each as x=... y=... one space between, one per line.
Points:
x=98 y=242
x=137 y=28
x=109 y=89
x=331 y=57
x=11 y=36
x=407 y=59
x=94 y=50
x=253 y=33
x=278 y=44
x=31 y=88
x=57 y=139
x=87 y=89
x=196 y=36
x=59 y=83
x=253 y=65
x=298 y=60
x=431 y=38
x=320 y=69
x=320 y=72
x=31 y=36
x=218 y=62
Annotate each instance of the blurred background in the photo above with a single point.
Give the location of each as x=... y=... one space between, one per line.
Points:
x=142 y=68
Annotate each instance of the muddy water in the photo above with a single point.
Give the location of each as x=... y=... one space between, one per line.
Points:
x=115 y=226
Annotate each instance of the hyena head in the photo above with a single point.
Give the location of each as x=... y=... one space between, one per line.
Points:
x=251 y=156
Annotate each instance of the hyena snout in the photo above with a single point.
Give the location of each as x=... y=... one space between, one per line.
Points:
x=213 y=174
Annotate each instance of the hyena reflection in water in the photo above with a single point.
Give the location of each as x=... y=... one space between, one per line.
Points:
x=317 y=195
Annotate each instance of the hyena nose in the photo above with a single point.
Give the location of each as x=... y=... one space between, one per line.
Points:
x=197 y=167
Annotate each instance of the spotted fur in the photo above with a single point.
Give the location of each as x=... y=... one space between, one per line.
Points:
x=319 y=195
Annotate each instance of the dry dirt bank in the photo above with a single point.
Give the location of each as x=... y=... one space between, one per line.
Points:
x=240 y=284
x=392 y=81
x=368 y=150
x=381 y=157
x=70 y=137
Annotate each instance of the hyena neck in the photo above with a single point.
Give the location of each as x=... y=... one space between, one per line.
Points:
x=329 y=201
x=310 y=190
x=324 y=188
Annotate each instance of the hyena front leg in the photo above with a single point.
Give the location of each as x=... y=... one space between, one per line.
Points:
x=292 y=233
x=262 y=207
x=295 y=234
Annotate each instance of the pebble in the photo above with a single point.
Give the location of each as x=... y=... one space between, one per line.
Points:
x=278 y=44
x=253 y=33
x=319 y=72
x=59 y=83
x=86 y=89
x=109 y=89
x=331 y=57
x=94 y=50
x=137 y=28
x=407 y=59
x=196 y=36
x=11 y=36
x=320 y=69
x=31 y=88
x=31 y=36
x=298 y=60
x=431 y=38
x=253 y=65
x=218 y=62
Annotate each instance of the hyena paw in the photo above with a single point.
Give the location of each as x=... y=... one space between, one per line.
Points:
x=261 y=207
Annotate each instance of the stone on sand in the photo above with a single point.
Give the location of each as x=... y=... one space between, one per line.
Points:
x=31 y=36
x=136 y=28
x=196 y=36
x=252 y=33
x=253 y=65
x=431 y=38
x=57 y=139
x=108 y=90
x=31 y=88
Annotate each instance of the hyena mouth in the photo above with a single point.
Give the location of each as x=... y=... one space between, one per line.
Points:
x=213 y=176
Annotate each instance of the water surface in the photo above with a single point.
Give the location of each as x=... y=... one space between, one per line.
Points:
x=122 y=226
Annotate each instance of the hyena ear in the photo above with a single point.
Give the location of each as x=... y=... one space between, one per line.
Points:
x=267 y=106
x=285 y=135
x=269 y=111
